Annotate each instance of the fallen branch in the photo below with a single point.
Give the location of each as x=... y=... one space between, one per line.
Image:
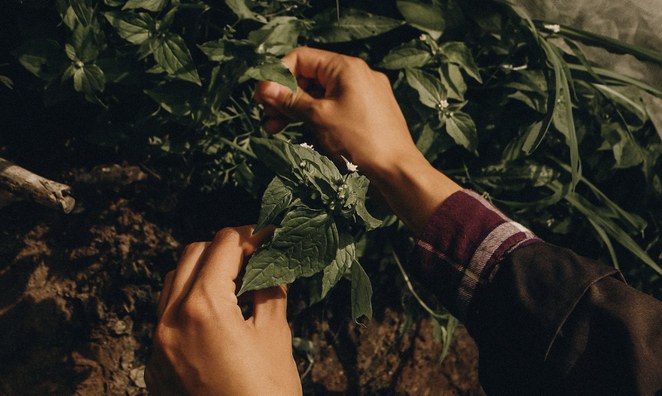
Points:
x=23 y=184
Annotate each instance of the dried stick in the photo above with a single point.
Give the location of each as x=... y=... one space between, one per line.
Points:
x=23 y=184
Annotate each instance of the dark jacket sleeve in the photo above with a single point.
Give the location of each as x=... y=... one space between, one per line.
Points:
x=546 y=321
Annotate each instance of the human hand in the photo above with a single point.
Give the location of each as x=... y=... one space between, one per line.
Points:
x=353 y=112
x=202 y=343
x=350 y=107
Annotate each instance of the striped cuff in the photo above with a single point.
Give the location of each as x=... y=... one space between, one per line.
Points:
x=463 y=242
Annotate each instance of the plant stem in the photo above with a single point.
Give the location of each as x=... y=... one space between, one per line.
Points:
x=238 y=147
x=410 y=286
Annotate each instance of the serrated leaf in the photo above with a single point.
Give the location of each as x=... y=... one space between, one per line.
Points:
x=240 y=8
x=175 y=97
x=272 y=69
x=353 y=25
x=334 y=272
x=311 y=237
x=133 y=27
x=405 y=57
x=462 y=129
x=426 y=17
x=430 y=91
x=43 y=58
x=361 y=292
x=277 y=197
x=304 y=244
x=172 y=54
x=297 y=164
x=149 y=5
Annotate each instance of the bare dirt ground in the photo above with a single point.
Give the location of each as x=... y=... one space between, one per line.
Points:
x=78 y=294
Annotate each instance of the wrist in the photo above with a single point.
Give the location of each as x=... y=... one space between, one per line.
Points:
x=412 y=187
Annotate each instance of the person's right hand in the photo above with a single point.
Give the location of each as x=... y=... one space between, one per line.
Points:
x=350 y=107
x=353 y=112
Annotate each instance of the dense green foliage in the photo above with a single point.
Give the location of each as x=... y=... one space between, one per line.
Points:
x=508 y=106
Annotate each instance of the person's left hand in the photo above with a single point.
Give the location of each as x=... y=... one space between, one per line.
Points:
x=203 y=345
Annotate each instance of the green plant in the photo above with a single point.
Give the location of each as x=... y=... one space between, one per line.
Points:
x=509 y=106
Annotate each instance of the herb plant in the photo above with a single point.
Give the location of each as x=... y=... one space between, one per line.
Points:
x=508 y=106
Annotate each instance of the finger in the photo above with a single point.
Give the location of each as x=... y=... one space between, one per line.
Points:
x=296 y=105
x=225 y=257
x=275 y=124
x=165 y=293
x=184 y=275
x=271 y=111
x=312 y=63
x=270 y=305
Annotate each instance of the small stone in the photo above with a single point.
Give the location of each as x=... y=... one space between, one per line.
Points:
x=137 y=375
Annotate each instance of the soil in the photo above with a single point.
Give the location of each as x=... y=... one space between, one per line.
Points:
x=78 y=295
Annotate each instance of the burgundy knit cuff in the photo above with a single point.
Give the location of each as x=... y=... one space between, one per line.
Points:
x=463 y=242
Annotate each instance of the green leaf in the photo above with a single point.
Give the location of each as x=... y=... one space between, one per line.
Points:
x=273 y=69
x=462 y=129
x=358 y=188
x=85 y=42
x=278 y=37
x=620 y=96
x=426 y=17
x=361 y=292
x=84 y=11
x=458 y=53
x=43 y=58
x=615 y=77
x=7 y=82
x=353 y=25
x=430 y=91
x=452 y=81
x=562 y=116
x=297 y=164
x=224 y=50
x=88 y=79
x=304 y=244
x=405 y=57
x=133 y=27
x=333 y=272
x=240 y=8
x=175 y=97
x=277 y=197
x=610 y=44
x=149 y=5
x=611 y=228
x=172 y=54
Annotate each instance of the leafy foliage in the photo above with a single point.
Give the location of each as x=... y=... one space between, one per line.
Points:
x=509 y=106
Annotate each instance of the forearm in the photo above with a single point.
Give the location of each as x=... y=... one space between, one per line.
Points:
x=413 y=189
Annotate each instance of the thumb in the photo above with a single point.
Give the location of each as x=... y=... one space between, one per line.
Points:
x=270 y=305
x=295 y=105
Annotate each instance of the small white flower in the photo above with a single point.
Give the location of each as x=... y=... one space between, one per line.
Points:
x=552 y=27
x=443 y=104
x=306 y=145
x=351 y=167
